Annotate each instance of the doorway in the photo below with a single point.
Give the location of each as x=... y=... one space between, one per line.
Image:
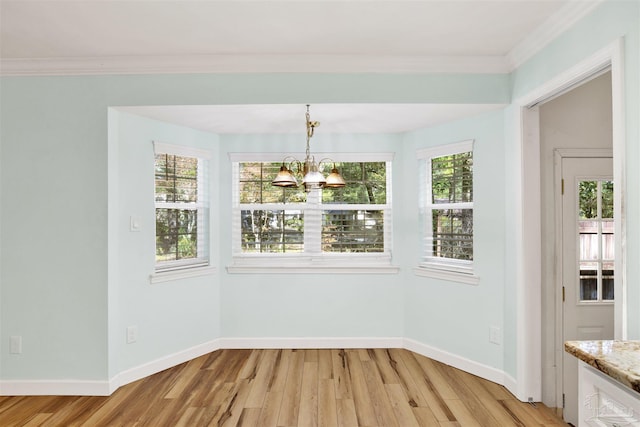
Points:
x=539 y=346
x=575 y=130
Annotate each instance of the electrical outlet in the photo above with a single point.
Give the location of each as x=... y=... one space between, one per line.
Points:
x=132 y=334
x=495 y=335
x=15 y=344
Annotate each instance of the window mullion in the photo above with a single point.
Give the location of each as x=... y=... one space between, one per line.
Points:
x=460 y=205
x=313 y=223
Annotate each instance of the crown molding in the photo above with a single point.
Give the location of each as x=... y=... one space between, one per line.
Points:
x=557 y=23
x=252 y=64
x=567 y=16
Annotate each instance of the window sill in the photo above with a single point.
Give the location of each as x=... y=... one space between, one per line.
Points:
x=271 y=269
x=312 y=265
x=440 y=272
x=171 y=275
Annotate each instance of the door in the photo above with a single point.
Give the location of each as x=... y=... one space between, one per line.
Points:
x=587 y=260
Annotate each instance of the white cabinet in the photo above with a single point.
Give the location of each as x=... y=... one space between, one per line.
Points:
x=604 y=401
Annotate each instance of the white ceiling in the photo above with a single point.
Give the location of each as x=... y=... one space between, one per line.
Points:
x=52 y=37
x=333 y=118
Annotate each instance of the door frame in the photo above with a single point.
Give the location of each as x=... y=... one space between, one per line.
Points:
x=559 y=154
x=528 y=357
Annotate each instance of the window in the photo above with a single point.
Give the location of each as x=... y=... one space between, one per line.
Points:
x=447 y=210
x=277 y=227
x=595 y=227
x=181 y=205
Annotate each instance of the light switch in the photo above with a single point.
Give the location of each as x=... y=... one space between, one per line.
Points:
x=134 y=223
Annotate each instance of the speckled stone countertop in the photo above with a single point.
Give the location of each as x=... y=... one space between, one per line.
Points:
x=618 y=359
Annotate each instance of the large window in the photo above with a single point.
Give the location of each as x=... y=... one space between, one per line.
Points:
x=447 y=207
x=275 y=224
x=181 y=207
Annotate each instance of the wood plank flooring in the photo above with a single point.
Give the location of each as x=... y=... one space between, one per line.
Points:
x=288 y=388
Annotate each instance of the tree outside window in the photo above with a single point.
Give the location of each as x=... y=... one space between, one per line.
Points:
x=275 y=220
x=447 y=207
x=181 y=203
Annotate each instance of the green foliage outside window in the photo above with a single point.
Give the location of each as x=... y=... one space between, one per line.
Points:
x=366 y=184
x=452 y=178
x=176 y=181
x=588 y=199
x=452 y=229
x=282 y=231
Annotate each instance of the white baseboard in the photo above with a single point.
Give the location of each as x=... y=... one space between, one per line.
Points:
x=302 y=342
x=54 y=388
x=511 y=385
x=462 y=363
x=138 y=372
x=105 y=388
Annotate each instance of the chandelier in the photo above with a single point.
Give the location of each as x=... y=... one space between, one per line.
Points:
x=312 y=178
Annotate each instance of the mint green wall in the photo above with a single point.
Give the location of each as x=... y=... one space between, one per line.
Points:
x=170 y=316
x=612 y=20
x=311 y=305
x=64 y=287
x=53 y=232
x=451 y=316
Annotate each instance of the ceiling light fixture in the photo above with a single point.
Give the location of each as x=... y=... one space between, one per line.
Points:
x=309 y=169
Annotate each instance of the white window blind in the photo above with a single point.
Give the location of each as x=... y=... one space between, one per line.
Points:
x=329 y=227
x=446 y=207
x=182 y=207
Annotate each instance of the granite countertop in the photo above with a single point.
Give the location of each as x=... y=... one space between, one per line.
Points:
x=618 y=359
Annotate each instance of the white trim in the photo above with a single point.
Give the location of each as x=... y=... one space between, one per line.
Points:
x=620 y=186
x=445 y=149
x=319 y=263
x=317 y=269
x=175 y=64
x=180 y=150
x=449 y=275
x=511 y=384
x=529 y=298
x=569 y=78
x=555 y=25
x=239 y=157
x=459 y=362
x=142 y=371
x=304 y=342
x=183 y=273
x=54 y=388
x=582 y=152
x=528 y=308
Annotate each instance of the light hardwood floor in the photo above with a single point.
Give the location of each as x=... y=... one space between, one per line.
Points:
x=287 y=388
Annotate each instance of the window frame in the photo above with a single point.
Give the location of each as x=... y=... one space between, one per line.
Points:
x=316 y=261
x=201 y=265
x=439 y=267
